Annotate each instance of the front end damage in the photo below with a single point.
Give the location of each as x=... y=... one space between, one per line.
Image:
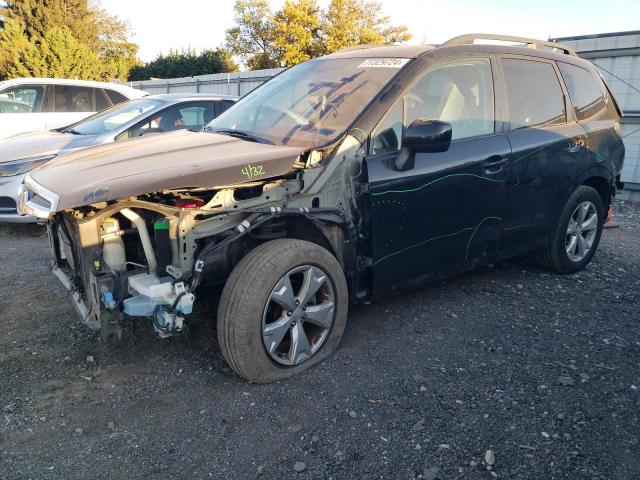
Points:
x=146 y=255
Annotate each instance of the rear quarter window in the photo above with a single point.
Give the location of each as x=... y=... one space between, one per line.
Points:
x=588 y=93
x=102 y=101
x=534 y=93
x=115 y=97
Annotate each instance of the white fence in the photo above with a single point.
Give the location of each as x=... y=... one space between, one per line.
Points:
x=238 y=83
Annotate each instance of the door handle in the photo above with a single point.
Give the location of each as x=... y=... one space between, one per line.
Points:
x=575 y=144
x=494 y=164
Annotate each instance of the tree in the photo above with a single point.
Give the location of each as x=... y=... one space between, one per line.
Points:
x=252 y=37
x=300 y=30
x=297 y=31
x=85 y=25
x=360 y=22
x=185 y=64
x=12 y=34
x=58 y=54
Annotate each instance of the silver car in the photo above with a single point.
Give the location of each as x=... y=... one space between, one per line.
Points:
x=135 y=118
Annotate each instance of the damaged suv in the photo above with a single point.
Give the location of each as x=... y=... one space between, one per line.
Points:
x=365 y=170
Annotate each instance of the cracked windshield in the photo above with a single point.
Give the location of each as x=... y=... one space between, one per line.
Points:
x=311 y=104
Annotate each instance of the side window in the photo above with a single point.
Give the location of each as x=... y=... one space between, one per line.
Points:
x=69 y=98
x=196 y=116
x=534 y=93
x=178 y=117
x=22 y=99
x=102 y=101
x=460 y=93
x=387 y=136
x=225 y=105
x=115 y=97
x=150 y=125
x=586 y=95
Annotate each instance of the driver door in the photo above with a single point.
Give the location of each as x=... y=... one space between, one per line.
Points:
x=445 y=214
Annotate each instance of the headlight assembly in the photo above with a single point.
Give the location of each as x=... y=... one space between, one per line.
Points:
x=23 y=165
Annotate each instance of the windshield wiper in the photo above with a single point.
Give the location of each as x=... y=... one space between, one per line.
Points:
x=72 y=131
x=242 y=135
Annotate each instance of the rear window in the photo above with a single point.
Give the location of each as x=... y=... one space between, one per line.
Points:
x=586 y=93
x=534 y=93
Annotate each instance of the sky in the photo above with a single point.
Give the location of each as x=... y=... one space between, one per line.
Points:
x=161 y=25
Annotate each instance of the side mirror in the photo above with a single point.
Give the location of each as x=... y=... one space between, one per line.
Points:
x=423 y=136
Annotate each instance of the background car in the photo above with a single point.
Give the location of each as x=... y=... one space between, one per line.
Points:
x=29 y=104
x=144 y=116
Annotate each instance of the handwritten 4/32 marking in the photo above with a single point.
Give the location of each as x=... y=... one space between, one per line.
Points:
x=251 y=172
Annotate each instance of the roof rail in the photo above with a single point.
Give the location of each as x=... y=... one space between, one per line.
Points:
x=469 y=39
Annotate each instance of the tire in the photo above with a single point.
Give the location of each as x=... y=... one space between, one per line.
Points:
x=555 y=257
x=249 y=300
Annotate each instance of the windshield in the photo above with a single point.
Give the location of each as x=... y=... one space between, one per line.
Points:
x=114 y=117
x=310 y=104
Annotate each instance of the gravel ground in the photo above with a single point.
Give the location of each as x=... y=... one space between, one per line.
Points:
x=543 y=370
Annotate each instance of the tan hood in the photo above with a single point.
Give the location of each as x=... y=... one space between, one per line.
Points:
x=160 y=162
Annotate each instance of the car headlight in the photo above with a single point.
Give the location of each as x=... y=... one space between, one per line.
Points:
x=23 y=165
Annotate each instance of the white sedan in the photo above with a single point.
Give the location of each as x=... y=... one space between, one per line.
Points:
x=33 y=104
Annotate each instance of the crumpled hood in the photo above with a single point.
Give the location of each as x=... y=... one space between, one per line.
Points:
x=160 y=162
x=41 y=143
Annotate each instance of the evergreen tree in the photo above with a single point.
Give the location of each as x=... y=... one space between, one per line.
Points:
x=185 y=64
x=58 y=54
x=83 y=24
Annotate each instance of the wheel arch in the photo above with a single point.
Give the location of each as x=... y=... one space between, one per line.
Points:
x=601 y=179
x=603 y=187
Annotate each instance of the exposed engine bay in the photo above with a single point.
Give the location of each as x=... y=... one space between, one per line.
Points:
x=146 y=256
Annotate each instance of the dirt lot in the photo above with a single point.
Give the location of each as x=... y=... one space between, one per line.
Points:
x=543 y=370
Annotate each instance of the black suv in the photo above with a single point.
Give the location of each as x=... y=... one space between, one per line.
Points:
x=368 y=169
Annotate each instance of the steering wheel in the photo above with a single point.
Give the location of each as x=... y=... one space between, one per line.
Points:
x=297 y=118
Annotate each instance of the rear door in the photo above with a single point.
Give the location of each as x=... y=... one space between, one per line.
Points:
x=595 y=110
x=445 y=214
x=70 y=104
x=548 y=145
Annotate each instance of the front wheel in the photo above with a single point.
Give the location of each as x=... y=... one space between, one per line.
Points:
x=282 y=310
x=577 y=234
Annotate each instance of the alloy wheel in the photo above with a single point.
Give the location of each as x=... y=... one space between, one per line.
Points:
x=581 y=231
x=298 y=315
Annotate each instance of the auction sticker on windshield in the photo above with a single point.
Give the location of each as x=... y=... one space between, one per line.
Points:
x=384 y=63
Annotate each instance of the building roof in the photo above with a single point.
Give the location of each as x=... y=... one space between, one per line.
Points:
x=596 y=35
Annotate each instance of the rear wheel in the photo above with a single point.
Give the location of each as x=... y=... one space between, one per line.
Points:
x=577 y=234
x=282 y=310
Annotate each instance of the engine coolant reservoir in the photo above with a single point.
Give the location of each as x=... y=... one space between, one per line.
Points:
x=113 y=252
